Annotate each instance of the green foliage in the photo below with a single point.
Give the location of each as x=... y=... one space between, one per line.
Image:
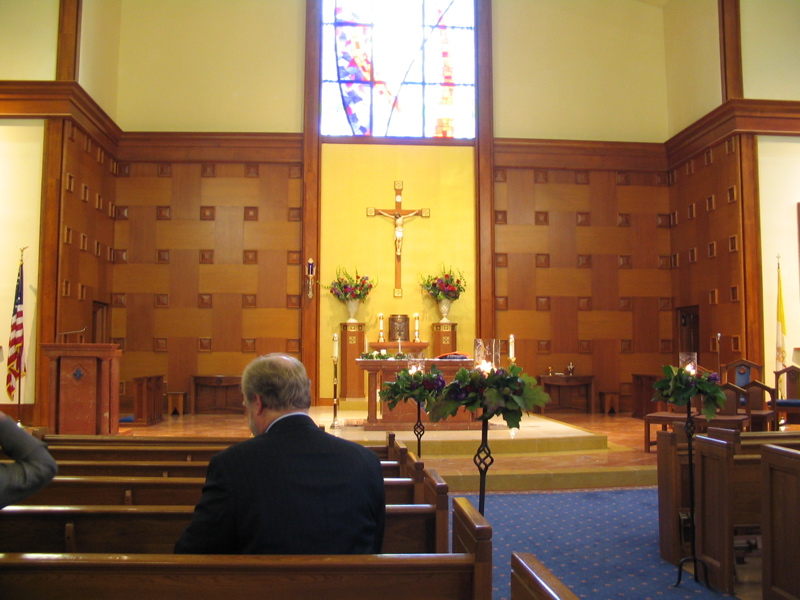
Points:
x=679 y=386
x=420 y=386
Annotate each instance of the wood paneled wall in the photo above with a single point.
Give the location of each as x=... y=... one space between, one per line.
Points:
x=582 y=259
x=207 y=270
x=86 y=241
x=708 y=200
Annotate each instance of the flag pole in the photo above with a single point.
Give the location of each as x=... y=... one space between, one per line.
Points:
x=19 y=387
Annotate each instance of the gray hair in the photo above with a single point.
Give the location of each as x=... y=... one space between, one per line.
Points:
x=280 y=380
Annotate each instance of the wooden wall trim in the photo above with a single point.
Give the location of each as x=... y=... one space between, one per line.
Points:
x=69 y=33
x=751 y=246
x=196 y=147
x=573 y=154
x=59 y=99
x=730 y=41
x=484 y=174
x=309 y=319
x=760 y=117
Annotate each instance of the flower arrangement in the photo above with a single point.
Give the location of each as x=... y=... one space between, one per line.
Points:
x=680 y=385
x=448 y=285
x=503 y=392
x=420 y=386
x=347 y=287
x=382 y=355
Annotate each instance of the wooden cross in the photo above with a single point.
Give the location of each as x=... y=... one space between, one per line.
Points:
x=399 y=216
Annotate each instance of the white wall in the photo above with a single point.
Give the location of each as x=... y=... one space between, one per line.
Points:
x=694 y=72
x=212 y=65
x=579 y=70
x=771 y=49
x=779 y=183
x=21 y=148
x=98 y=72
x=28 y=39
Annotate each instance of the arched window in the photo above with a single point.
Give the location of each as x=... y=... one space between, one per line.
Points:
x=398 y=68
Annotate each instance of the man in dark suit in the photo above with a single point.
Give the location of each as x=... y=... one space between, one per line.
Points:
x=292 y=489
x=33 y=467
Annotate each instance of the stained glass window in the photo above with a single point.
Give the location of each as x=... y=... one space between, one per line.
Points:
x=395 y=68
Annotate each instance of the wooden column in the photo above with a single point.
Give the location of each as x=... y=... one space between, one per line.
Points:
x=351 y=378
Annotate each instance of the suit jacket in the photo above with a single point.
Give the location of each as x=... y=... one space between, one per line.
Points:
x=33 y=468
x=292 y=490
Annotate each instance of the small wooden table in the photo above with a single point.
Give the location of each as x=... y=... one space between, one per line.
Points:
x=563 y=388
x=404 y=415
x=216 y=394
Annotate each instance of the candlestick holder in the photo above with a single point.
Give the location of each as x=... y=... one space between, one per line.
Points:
x=335 y=424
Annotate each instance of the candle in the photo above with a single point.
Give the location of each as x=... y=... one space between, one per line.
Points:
x=335 y=346
x=310 y=269
x=366 y=345
x=399 y=347
x=511 y=353
x=380 y=320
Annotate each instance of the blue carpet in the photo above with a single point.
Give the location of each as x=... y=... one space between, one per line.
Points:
x=603 y=544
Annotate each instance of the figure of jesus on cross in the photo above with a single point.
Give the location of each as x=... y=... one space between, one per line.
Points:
x=399 y=216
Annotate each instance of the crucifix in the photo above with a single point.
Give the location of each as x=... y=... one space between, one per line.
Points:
x=399 y=216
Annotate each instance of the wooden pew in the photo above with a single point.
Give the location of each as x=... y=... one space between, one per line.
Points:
x=728 y=495
x=531 y=580
x=119 y=468
x=780 y=530
x=751 y=442
x=410 y=528
x=464 y=574
x=673 y=495
x=126 y=491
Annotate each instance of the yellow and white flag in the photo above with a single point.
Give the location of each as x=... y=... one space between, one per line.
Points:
x=780 y=336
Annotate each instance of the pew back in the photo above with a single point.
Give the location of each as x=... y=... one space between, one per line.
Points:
x=462 y=575
x=531 y=580
x=780 y=471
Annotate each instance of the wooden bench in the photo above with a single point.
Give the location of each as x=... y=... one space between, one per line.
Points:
x=531 y=580
x=410 y=528
x=464 y=574
x=673 y=495
x=751 y=442
x=728 y=495
x=780 y=529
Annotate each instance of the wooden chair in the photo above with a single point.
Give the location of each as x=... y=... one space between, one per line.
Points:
x=763 y=416
x=791 y=404
x=666 y=416
x=728 y=417
x=742 y=372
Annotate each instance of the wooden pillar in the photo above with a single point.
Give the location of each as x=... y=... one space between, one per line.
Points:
x=444 y=338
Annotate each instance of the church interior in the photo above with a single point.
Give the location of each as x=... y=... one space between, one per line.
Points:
x=629 y=193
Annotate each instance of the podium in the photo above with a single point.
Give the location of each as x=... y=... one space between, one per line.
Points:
x=351 y=378
x=83 y=388
x=444 y=338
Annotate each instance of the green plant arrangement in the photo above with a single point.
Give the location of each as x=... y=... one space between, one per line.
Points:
x=680 y=385
x=499 y=392
x=348 y=287
x=445 y=286
x=419 y=386
x=382 y=355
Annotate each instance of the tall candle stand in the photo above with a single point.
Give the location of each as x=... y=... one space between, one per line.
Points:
x=417 y=363
x=335 y=358
x=487 y=357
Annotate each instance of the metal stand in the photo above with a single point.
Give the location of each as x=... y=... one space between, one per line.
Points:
x=335 y=424
x=689 y=428
x=483 y=460
x=419 y=429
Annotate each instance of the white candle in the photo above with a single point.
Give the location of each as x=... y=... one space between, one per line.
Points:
x=335 y=346
x=511 y=346
x=416 y=320
x=366 y=345
x=380 y=320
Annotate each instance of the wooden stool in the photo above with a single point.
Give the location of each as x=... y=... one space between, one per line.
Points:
x=175 y=401
x=609 y=400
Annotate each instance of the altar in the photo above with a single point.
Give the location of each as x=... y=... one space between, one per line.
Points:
x=404 y=415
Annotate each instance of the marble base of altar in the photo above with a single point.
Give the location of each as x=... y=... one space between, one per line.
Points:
x=404 y=415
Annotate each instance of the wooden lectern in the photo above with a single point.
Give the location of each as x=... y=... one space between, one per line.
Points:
x=84 y=388
x=351 y=378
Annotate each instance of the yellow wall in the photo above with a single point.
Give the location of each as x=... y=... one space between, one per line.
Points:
x=579 y=70
x=771 y=49
x=212 y=65
x=28 y=39
x=21 y=147
x=694 y=80
x=98 y=73
x=779 y=195
x=355 y=177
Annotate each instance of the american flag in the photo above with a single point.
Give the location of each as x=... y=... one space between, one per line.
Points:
x=16 y=341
